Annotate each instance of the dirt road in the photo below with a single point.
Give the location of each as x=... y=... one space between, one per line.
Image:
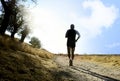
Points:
x=84 y=71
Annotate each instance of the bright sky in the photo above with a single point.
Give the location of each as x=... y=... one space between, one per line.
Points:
x=97 y=21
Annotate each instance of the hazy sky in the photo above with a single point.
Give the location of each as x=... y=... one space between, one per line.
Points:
x=97 y=21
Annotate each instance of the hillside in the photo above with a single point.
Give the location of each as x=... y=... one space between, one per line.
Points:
x=21 y=62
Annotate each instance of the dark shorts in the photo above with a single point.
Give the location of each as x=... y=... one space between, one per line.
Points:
x=71 y=43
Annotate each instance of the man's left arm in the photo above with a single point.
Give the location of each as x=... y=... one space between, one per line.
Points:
x=78 y=35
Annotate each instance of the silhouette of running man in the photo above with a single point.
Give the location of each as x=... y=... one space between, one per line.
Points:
x=71 y=40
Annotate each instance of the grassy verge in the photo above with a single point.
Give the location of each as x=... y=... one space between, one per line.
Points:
x=104 y=59
x=21 y=62
x=112 y=60
x=7 y=43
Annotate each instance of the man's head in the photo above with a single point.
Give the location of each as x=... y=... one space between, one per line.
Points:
x=72 y=26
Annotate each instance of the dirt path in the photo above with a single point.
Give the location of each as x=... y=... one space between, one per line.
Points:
x=84 y=71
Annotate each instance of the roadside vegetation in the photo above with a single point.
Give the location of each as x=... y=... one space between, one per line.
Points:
x=106 y=59
x=21 y=62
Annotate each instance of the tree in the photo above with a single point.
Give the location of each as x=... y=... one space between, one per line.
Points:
x=24 y=32
x=17 y=22
x=35 y=42
x=10 y=7
x=1 y=18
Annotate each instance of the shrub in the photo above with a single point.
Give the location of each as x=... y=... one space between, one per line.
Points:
x=35 y=42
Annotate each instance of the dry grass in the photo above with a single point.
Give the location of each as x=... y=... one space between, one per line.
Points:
x=112 y=60
x=20 y=66
x=7 y=43
x=21 y=62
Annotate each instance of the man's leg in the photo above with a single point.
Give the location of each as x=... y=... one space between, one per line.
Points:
x=69 y=55
x=72 y=56
x=68 y=50
x=73 y=49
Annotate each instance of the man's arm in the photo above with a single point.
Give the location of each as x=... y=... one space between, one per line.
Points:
x=78 y=35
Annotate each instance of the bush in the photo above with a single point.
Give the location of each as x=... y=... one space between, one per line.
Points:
x=35 y=42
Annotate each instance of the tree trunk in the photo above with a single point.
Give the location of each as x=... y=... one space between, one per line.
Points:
x=14 y=31
x=13 y=34
x=23 y=38
x=6 y=18
x=4 y=24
